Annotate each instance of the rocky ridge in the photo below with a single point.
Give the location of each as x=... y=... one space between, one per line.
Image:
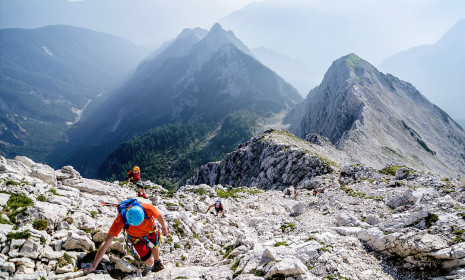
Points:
x=396 y=223
x=378 y=119
x=275 y=158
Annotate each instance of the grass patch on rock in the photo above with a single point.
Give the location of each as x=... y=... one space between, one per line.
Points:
x=390 y=169
x=178 y=228
x=65 y=260
x=18 y=235
x=17 y=204
x=432 y=218
x=287 y=225
x=17 y=201
x=282 y=243
x=12 y=183
x=40 y=224
x=228 y=249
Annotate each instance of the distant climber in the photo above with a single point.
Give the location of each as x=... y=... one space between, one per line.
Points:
x=289 y=191
x=296 y=193
x=229 y=188
x=139 y=222
x=316 y=191
x=219 y=208
x=133 y=176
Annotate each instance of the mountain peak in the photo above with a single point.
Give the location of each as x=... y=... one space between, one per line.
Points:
x=197 y=32
x=381 y=117
x=217 y=27
x=352 y=59
x=218 y=37
x=351 y=69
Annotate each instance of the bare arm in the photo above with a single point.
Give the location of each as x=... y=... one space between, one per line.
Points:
x=100 y=252
x=209 y=208
x=164 y=228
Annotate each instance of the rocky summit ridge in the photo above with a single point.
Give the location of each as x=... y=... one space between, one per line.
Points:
x=394 y=223
x=378 y=119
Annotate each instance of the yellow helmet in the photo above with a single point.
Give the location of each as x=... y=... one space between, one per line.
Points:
x=136 y=168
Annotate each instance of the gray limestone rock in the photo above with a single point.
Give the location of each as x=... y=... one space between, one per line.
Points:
x=346 y=219
x=30 y=248
x=378 y=119
x=400 y=200
x=287 y=267
x=272 y=159
x=76 y=241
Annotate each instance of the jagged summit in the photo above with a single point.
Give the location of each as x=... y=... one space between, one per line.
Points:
x=378 y=119
x=200 y=33
x=218 y=37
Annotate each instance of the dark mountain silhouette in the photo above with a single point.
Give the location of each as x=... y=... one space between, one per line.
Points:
x=48 y=75
x=212 y=79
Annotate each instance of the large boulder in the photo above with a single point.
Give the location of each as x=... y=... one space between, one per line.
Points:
x=44 y=210
x=50 y=254
x=30 y=248
x=83 y=221
x=9 y=266
x=402 y=173
x=406 y=198
x=347 y=220
x=76 y=241
x=68 y=172
x=4 y=198
x=44 y=173
x=13 y=166
x=299 y=208
x=90 y=186
x=124 y=266
x=287 y=267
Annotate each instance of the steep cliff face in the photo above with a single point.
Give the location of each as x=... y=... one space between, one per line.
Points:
x=273 y=159
x=379 y=119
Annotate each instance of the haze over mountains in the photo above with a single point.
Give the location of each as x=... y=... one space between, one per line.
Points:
x=436 y=70
x=317 y=32
x=197 y=77
x=196 y=97
x=48 y=75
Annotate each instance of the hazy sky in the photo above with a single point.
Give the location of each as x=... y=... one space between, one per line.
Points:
x=141 y=21
x=156 y=21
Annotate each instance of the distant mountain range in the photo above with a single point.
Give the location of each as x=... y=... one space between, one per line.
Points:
x=48 y=76
x=74 y=96
x=437 y=70
x=210 y=78
x=293 y=71
x=378 y=119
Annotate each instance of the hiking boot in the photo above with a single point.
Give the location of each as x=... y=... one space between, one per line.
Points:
x=157 y=266
x=147 y=271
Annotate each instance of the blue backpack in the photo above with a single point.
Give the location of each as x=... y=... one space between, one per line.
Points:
x=125 y=205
